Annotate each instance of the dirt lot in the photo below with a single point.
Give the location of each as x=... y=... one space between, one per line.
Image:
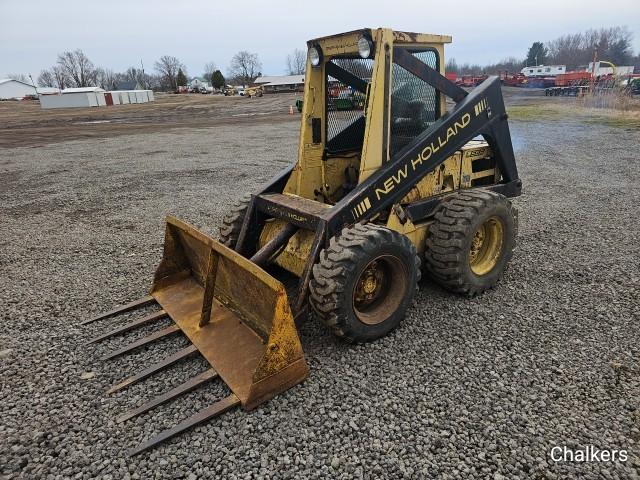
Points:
x=25 y=123
x=466 y=388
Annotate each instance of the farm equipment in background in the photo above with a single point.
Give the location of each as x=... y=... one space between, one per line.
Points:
x=451 y=76
x=582 y=82
x=579 y=90
x=345 y=99
x=571 y=79
x=471 y=80
x=540 y=82
x=257 y=91
x=230 y=91
x=574 y=84
x=512 y=79
x=198 y=89
x=374 y=192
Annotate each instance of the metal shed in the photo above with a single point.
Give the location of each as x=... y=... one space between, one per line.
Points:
x=10 y=88
x=75 y=98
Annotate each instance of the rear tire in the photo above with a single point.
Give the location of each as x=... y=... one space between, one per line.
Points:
x=232 y=222
x=364 y=282
x=470 y=243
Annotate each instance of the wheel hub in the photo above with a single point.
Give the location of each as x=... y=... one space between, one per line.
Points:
x=379 y=289
x=486 y=246
x=476 y=244
x=369 y=284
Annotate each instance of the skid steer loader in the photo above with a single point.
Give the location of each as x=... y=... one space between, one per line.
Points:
x=379 y=192
x=257 y=91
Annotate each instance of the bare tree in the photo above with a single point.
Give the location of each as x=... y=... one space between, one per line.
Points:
x=167 y=67
x=53 y=77
x=153 y=82
x=106 y=79
x=209 y=68
x=451 y=66
x=510 y=64
x=245 y=67
x=137 y=75
x=570 y=50
x=464 y=68
x=21 y=77
x=78 y=69
x=296 y=62
x=132 y=74
x=60 y=77
x=46 y=79
x=574 y=50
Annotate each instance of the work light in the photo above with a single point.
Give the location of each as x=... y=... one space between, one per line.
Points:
x=315 y=55
x=365 y=47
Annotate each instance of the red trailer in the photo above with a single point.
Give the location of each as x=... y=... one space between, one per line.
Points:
x=512 y=79
x=471 y=80
x=452 y=76
x=572 y=78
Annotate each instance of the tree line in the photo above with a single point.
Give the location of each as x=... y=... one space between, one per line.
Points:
x=573 y=50
x=75 y=69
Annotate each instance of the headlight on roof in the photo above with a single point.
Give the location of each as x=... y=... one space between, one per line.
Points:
x=365 y=47
x=315 y=55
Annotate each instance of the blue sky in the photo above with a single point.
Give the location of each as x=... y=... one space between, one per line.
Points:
x=118 y=34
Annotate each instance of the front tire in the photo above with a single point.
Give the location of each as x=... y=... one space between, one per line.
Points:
x=364 y=282
x=471 y=241
x=232 y=222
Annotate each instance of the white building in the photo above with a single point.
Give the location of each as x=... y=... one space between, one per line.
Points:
x=75 y=98
x=15 y=89
x=284 y=83
x=82 y=90
x=94 y=97
x=48 y=90
x=544 y=70
x=197 y=83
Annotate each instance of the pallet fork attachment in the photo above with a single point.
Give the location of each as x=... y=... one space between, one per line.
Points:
x=234 y=313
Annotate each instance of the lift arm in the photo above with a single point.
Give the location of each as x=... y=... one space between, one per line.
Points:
x=481 y=112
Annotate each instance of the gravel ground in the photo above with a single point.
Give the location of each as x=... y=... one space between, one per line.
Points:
x=479 y=388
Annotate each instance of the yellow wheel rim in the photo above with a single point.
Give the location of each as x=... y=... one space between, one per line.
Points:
x=486 y=246
x=380 y=289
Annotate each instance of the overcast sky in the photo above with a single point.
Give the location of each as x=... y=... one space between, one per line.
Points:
x=117 y=34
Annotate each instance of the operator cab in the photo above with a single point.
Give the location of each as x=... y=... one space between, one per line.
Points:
x=355 y=90
x=414 y=104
